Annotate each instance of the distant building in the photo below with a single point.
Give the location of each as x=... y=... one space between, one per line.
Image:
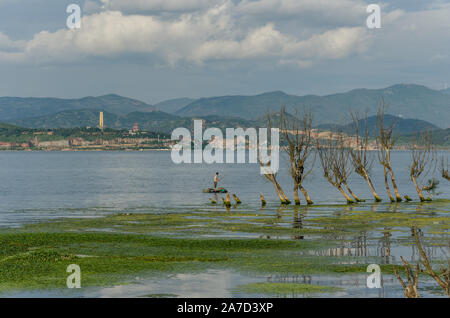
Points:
x=135 y=128
x=100 y=122
x=76 y=142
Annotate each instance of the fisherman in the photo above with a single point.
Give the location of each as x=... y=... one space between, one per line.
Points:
x=216 y=180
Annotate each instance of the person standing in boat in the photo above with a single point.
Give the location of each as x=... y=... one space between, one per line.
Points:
x=216 y=180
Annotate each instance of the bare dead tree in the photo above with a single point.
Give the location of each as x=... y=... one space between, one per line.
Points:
x=361 y=159
x=444 y=170
x=442 y=276
x=411 y=290
x=423 y=162
x=297 y=133
x=344 y=163
x=385 y=142
x=272 y=177
x=334 y=160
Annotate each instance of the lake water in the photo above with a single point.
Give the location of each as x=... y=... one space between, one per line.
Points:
x=39 y=186
x=42 y=185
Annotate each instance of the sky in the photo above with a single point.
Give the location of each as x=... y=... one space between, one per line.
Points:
x=154 y=50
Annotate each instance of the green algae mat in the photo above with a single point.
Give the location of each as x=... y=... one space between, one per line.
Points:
x=325 y=241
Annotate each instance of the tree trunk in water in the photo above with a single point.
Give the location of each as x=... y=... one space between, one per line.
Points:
x=283 y=195
x=263 y=200
x=228 y=200
x=394 y=185
x=419 y=191
x=349 y=200
x=372 y=188
x=352 y=194
x=386 y=182
x=236 y=198
x=279 y=193
x=306 y=195
x=296 y=197
x=272 y=179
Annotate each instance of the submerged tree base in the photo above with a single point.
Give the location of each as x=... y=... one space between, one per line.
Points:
x=407 y=198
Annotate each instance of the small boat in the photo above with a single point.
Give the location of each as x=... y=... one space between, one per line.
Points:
x=218 y=190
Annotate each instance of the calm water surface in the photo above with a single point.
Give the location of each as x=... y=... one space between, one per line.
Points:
x=42 y=185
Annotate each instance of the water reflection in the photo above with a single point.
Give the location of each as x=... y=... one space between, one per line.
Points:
x=385 y=246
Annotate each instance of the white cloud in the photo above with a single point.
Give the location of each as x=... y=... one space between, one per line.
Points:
x=10 y=50
x=195 y=37
x=300 y=6
x=413 y=39
x=267 y=42
x=158 y=5
x=5 y=42
x=321 y=11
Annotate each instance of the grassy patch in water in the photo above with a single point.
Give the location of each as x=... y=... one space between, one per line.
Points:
x=40 y=260
x=36 y=256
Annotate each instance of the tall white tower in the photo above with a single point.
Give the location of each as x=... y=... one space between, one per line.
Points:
x=100 y=122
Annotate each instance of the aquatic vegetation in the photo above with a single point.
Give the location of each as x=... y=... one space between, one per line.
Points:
x=39 y=260
x=325 y=240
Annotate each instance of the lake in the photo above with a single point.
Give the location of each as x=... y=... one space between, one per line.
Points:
x=42 y=186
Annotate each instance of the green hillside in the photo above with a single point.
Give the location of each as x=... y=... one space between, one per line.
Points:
x=440 y=137
x=16 y=108
x=16 y=134
x=150 y=121
x=173 y=105
x=413 y=101
x=402 y=126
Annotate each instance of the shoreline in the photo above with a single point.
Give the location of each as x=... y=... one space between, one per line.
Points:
x=144 y=149
x=81 y=150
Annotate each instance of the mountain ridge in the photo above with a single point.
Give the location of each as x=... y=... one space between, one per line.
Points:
x=404 y=100
x=15 y=108
x=402 y=126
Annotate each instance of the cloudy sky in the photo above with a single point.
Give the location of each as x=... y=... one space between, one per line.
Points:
x=160 y=49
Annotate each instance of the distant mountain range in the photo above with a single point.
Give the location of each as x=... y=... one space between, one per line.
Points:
x=401 y=126
x=406 y=101
x=409 y=101
x=16 y=108
x=174 y=105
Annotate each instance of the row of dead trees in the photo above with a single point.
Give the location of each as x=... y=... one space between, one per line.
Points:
x=341 y=154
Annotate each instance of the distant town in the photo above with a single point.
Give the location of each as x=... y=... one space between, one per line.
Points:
x=102 y=138
x=79 y=139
